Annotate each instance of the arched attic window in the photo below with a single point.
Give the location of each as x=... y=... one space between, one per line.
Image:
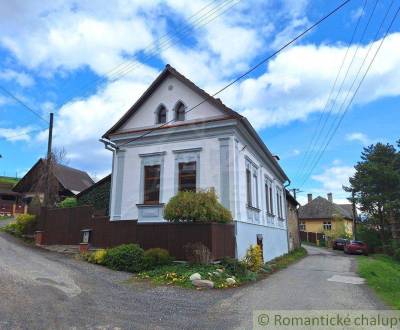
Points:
x=180 y=111
x=161 y=115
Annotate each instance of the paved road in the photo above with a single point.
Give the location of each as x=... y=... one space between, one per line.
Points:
x=45 y=290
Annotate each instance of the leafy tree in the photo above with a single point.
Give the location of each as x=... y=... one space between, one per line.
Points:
x=338 y=229
x=376 y=186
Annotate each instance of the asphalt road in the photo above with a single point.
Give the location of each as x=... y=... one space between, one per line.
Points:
x=45 y=290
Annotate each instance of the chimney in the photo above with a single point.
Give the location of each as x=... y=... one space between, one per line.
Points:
x=330 y=197
x=309 y=196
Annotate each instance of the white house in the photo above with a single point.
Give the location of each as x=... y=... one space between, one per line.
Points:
x=209 y=146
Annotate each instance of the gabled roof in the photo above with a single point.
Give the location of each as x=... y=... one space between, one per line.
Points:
x=169 y=70
x=69 y=178
x=72 y=179
x=321 y=208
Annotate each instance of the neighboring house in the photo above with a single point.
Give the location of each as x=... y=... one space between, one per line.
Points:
x=321 y=214
x=10 y=201
x=97 y=195
x=163 y=145
x=293 y=221
x=70 y=181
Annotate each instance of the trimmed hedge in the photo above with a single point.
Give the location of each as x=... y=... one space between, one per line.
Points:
x=203 y=206
x=126 y=257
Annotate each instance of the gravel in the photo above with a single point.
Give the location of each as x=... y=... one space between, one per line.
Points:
x=47 y=290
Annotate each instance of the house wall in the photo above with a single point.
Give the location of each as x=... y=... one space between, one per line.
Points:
x=131 y=194
x=316 y=225
x=224 y=150
x=293 y=227
x=274 y=239
x=145 y=116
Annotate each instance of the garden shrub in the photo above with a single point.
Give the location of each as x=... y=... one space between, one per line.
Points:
x=156 y=257
x=98 y=257
x=197 y=253
x=126 y=257
x=25 y=224
x=234 y=266
x=68 y=202
x=203 y=206
x=253 y=258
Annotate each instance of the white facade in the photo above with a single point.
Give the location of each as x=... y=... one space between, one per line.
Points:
x=224 y=152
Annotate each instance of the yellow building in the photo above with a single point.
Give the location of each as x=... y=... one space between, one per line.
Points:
x=321 y=215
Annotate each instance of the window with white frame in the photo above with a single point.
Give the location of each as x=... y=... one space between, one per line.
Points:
x=327 y=225
x=161 y=115
x=302 y=226
x=180 y=111
x=268 y=196
x=187 y=169
x=151 y=178
x=248 y=187
x=279 y=203
x=251 y=184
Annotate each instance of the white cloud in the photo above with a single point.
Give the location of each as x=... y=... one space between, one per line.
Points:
x=79 y=124
x=16 y=134
x=21 y=78
x=297 y=82
x=67 y=35
x=360 y=137
x=333 y=178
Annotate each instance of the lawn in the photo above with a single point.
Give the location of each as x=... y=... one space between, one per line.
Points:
x=8 y=180
x=179 y=273
x=382 y=273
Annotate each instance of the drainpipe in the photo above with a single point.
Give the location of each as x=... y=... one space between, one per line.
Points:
x=109 y=145
x=287 y=216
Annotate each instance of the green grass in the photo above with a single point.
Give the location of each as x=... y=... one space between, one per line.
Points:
x=8 y=180
x=287 y=259
x=178 y=274
x=382 y=273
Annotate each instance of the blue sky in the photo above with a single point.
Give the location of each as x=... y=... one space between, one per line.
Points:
x=88 y=62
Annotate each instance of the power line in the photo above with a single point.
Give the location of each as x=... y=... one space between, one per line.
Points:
x=247 y=72
x=355 y=92
x=163 y=36
x=317 y=127
x=153 y=48
x=167 y=43
x=5 y=91
x=10 y=137
x=329 y=113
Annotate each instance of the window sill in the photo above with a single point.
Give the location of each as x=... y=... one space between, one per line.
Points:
x=150 y=205
x=253 y=208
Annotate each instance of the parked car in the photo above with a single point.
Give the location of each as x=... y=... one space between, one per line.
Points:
x=356 y=247
x=339 y=243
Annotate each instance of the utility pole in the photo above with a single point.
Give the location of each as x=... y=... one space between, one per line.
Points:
x=353 y=203
x=48 y=162
x=295 y=191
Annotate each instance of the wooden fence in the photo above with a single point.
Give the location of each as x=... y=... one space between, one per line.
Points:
x=311 y=237
x=63 y=226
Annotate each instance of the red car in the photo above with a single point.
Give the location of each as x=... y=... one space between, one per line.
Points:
x=356 y=247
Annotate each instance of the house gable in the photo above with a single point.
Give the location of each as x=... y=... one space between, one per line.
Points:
x=169 y=90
